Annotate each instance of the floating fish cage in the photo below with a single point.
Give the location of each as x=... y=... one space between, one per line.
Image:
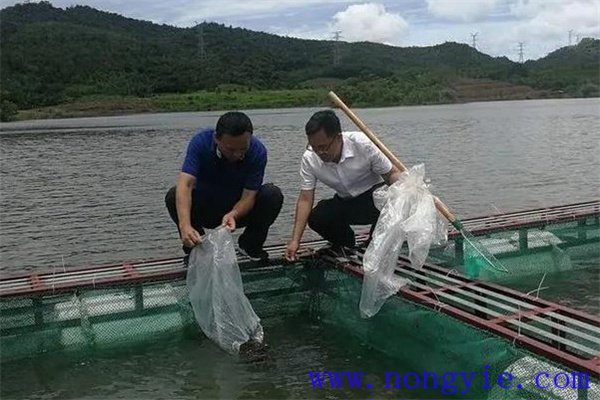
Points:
x=441 y=321
x=527 y=243
x=118 y=305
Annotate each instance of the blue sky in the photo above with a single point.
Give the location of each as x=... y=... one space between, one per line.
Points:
x=542 y=25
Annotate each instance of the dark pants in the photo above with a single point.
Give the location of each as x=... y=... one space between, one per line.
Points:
x=332 y=218
x=205 y=214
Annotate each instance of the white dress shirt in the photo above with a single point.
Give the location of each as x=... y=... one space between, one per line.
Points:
x=360 y=167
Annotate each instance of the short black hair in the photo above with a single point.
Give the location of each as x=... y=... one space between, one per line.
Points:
x=326 y=120
x=234 y=123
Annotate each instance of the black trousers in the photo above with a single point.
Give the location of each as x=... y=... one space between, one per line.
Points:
x=332 y=218
x=207 y=214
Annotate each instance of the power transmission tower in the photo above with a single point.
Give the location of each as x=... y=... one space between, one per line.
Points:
x=336 y=48
x=570 y=35
x=201 y=44
x=521 y=52
x=474 y=39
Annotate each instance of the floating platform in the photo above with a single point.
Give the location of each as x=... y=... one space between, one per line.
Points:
x=73 y=303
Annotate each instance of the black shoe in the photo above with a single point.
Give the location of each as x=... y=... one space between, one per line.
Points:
x=255 y=255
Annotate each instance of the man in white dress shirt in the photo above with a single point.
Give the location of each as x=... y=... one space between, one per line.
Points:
x=353 y=167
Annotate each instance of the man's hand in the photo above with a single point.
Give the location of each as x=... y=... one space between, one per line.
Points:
x=190 y=237
x=292 y=250
x=229 y=221
x=391 y=177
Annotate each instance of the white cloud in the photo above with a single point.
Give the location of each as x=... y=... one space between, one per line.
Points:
x=461 y=10
x=551 y=19
x=542 y=25
x=370 y=22
x=530 y=8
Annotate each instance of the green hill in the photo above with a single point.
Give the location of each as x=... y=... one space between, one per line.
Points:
x=572 y=69
x=52 y=56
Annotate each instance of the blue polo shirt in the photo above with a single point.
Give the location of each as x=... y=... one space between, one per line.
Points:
x=218 y=180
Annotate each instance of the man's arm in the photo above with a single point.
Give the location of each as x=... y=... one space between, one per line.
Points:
x=303 y=209
x=183 y=198
x=391 y=176
x=382 y=165
x=240 y=209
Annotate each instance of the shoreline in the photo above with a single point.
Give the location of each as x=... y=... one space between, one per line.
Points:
x=113 y=106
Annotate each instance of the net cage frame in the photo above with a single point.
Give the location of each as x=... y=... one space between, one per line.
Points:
x=557 y=333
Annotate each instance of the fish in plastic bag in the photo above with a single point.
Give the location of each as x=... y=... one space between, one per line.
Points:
x=216 y=293
x=408 y=214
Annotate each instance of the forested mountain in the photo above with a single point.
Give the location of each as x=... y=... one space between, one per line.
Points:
x=50 y=55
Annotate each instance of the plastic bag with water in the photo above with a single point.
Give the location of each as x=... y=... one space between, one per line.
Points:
x=408 y=214
x=217 y=296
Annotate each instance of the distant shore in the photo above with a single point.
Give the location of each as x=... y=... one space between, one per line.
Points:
x=97 y=106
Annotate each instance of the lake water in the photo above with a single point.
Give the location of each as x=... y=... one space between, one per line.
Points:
x=91 y=191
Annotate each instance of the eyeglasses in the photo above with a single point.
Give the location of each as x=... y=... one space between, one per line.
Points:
x=321 y=149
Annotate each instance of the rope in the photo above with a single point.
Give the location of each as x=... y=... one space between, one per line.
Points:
x=481 y=253
x=537 y=295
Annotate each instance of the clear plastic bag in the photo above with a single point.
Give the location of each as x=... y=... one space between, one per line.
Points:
x=408 y=214
x=217 y=296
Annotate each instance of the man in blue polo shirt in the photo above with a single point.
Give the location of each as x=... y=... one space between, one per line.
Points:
x=221 y=183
